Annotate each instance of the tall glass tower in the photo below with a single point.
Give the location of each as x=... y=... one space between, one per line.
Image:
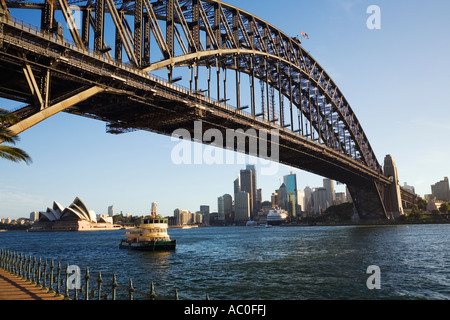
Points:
x=290 y=182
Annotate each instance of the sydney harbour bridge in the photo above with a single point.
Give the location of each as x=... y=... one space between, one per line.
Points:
x=122 y=62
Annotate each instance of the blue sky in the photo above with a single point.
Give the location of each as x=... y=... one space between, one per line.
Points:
x=395 y=79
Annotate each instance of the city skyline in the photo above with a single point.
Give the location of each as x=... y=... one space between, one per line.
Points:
x=401 y=112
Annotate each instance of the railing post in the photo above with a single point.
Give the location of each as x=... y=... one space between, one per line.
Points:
x=33 y=275
x=152 y=291
x=99 y=284
x=51 y=278
x=38 y=283
x=66 y=288
x=114 y=286
x=28 y=268
x=130 y=290
x=86 y=286
x=58 y=277
x=44 y=276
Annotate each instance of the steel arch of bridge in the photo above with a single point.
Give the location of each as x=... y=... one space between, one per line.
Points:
x=214 y=35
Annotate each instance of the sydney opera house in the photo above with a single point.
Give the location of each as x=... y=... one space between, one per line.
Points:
x=76 y=217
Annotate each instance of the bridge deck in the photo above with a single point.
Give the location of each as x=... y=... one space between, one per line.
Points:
x=13 y=288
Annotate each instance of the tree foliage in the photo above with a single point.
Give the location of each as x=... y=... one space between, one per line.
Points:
x=9 y=152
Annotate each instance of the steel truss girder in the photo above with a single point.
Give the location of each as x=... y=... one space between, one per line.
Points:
x=94 y=74
x=225 y=27
x=212 y=33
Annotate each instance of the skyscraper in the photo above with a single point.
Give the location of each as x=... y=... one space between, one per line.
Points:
x=308 y=200
x=237 y=187
x=111 y=210
x=290 y=182
x=254 y=209
x=320 y=200
x=282 y=196
x=204 y=210
x=225 y=207
x=328 y=184
x=440 y=190
x=242 y=207
x=154 y=208
x=246 y=179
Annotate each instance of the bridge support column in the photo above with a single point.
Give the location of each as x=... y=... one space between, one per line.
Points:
x=392 y=195
x=368 y=201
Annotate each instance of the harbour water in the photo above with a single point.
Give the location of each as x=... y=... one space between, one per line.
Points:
x=279 y=263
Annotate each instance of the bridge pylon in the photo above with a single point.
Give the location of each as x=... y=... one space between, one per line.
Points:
x=392 y=194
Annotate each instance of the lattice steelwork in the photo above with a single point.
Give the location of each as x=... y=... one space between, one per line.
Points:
x=201 y=41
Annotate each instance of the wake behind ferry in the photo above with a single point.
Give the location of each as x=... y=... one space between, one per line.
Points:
x=150 y=235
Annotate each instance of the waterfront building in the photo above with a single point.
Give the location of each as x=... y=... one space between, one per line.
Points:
x=34 y=216
x=274 y=199
x=259 y=199
x=182 y=217
x=320 y=200
x=111 y=211
x=254 y=205
x=247 y=185
x=76 y=217
x=300 y=200
x=154 y=208
x=225 y=207
x=290 y=181
x=410 y=188
x=328 y=184
x=308 y=200
x=204 y=210
x=242 y=207
x=237 y=186
x=282 y=197
x=440 y=190
x=291 y=205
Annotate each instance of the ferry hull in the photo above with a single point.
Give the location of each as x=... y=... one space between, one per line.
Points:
x=149 y=246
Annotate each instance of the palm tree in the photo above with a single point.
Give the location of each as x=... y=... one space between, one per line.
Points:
x=8 y=152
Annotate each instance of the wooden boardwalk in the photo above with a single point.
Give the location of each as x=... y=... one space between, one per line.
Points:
x=14 y=288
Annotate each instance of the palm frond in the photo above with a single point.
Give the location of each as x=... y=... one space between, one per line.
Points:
x=14 y=154
x=7 y=136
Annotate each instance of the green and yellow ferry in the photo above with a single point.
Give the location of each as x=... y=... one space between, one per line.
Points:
x=150 y=235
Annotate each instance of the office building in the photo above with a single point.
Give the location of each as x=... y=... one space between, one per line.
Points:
x=247 y=184
x=242 y=207
x=290 y=181
x=154 y=208
x=440 y=190
x=308 y=200
x=328 y=184
x=320 y=200
x=111 y=211
x=225 y=207
x=254 y=204
x=300 y=201
x=282 y=199
x=204 y=210
x=34 y=216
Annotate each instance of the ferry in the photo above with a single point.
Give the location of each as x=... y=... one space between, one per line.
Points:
x=276 y=217
x=150 y=235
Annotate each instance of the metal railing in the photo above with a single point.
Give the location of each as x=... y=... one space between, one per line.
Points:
x=67 y=282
